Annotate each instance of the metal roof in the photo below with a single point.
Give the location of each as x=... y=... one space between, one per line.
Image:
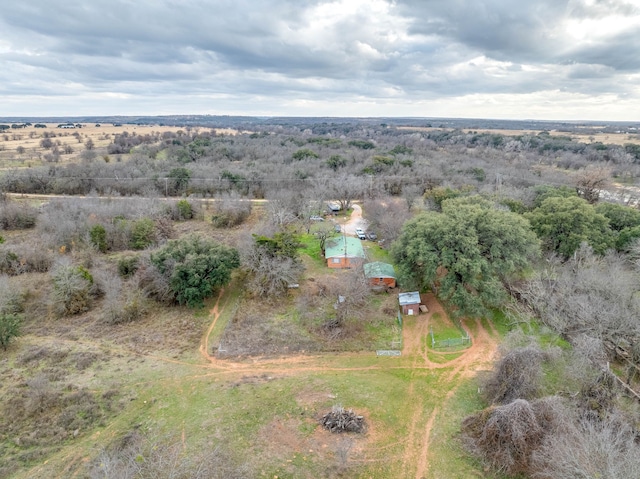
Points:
x=378 y=269
x=344 y=246
x=409 y=298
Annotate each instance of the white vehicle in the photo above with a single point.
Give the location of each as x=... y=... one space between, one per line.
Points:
x=360 y=234
x=316 y=218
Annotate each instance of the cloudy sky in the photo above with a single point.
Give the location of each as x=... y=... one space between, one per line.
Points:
x=542 y=59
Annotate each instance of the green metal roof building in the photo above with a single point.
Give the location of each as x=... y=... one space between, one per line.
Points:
x=380 y=274
x=343 y=252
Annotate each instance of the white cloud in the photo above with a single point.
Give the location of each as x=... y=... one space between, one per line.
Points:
x=544 y=59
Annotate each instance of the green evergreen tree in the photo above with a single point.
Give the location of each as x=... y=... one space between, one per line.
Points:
x=194 y=267
x=465 y=252
x=564 y=223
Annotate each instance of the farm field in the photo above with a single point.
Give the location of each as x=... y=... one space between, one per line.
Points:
x=23 y=147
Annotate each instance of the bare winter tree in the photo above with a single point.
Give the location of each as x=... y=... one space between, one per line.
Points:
x=386 y=216
x=588 y=449
x=323 y=232
x=591 y=180
x=346 y=189
x=517 y=375
x=352 y=292
x=587 y=295
x=282 y=208
x=270 y=273
x=504 y=436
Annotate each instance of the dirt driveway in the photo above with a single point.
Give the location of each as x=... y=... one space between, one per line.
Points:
x=355 y=221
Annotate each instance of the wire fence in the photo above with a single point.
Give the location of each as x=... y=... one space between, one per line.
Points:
x=463 y=340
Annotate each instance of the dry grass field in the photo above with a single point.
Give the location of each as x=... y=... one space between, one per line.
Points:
x=23 y=147
x=606 y=138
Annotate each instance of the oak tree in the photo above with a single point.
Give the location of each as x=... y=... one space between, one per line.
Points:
x=465 y=252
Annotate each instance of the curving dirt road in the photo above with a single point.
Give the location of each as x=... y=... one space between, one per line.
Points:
x=415 y=460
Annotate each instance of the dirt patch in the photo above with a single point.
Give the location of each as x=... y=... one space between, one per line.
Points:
x=288 y=440
x=313 y=399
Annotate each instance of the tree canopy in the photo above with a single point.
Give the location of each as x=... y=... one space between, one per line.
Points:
x=9 y=328
x=465 y=252
x=194 y=266
x=565 y=223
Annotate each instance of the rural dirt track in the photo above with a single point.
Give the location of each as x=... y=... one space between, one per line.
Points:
x=415 y=461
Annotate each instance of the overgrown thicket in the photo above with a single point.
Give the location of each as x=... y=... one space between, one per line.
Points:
x=108 y=224
x=563 y=413
x=588 y=296
x=555 y=414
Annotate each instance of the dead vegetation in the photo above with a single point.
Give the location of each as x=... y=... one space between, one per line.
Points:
x=332 y=312
x=42 y=406
x=134 y=456
x=340 y=419
x=548 y=408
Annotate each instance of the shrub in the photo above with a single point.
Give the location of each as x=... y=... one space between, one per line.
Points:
x=25 y=258
x=124 y=303
x=14 y=216
x=98 y=235
x=9 y=328
x=130 y=307
x=127 y=266
x=133 y=455
x=185 y=210
x=72 y=287
x=143 y=233
x=195 y=266
x=11 y=300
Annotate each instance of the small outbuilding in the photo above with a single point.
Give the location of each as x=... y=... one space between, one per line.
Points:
x=410 y=303
x=343 y=252
x=380 y=274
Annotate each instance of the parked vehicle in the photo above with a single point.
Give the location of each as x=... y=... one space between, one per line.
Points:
x=372 y=236
x=337 y=228
x=316 y=218
x=360 y=234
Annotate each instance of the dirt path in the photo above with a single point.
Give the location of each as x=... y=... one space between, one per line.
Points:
x=215 y=314
x=423 y=417
x=478 y=356
x=415 y=331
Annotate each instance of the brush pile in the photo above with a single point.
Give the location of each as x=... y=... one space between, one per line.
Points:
x=343 y=420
